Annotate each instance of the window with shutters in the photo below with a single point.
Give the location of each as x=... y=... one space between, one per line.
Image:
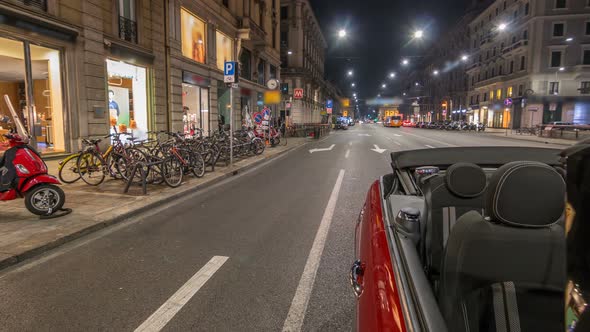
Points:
x=553 y=88
x=555 y=59
x=558 y=29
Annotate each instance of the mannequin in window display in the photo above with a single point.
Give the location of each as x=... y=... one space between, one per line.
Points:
x=198 y=46
x=185 y=119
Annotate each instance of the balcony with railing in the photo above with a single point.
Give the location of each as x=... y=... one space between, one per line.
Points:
x=517 y=47
x=127 y=29
x=36 y=4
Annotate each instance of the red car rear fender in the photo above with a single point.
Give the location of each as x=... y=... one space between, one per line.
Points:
x=378 y=307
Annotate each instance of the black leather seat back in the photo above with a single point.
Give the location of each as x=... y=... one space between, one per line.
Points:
x=513 y=255
x=448 y=196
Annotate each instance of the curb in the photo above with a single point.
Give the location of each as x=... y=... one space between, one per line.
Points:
x=8 y=261
x=533 y=140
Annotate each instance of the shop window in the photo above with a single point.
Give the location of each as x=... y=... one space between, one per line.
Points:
x=553 y=88
x=193 y=36
x=127 y=21
x=555 y=59
x=127 y=97
x=195 y=109
x=225 y=49
x=246 y=64
x=558 y=29
x=44 y=118
x=585 y=88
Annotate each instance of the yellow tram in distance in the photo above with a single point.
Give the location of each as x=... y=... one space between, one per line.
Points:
x=392 y=118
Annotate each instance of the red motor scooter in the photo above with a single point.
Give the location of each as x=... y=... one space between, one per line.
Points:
x=23 y=174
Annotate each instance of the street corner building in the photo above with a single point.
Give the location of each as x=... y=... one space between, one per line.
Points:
x=74 y=69
x=303 y=53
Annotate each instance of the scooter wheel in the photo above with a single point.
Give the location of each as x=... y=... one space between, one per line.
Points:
x=44 y=199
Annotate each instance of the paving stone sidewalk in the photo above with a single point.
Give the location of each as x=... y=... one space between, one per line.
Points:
x=23 y=235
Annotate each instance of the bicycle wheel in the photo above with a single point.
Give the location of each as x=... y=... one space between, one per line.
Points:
x=172 y=171
x=257 y=146
x=197 y=164
x=126 y=163
x=68 y=169
x=91 y=166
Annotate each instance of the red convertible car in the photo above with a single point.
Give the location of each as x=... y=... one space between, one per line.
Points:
x=463 y=239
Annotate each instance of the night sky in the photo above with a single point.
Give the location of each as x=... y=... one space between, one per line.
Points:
x=379 y=33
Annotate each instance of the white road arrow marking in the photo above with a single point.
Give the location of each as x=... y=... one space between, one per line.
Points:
x=377 y=149
x=397 y=135
x=323 y=149
x=367 y=135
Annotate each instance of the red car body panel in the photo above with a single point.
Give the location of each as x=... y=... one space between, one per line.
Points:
x=378 y=307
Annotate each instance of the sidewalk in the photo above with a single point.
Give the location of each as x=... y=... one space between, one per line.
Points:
x=513 y=135
x=23 y=235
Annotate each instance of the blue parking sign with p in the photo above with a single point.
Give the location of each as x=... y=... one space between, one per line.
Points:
x=229 y=72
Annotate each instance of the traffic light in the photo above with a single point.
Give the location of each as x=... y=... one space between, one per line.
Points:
x=285 y=88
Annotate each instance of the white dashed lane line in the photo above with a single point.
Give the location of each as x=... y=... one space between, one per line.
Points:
x=430 y=146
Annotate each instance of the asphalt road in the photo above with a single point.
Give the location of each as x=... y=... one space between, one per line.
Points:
x=229 y=258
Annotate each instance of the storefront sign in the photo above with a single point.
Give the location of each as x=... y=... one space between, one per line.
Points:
x=272 y=97
x=194 y=79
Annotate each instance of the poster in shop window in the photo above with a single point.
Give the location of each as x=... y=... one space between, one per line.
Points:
x=119 y=104
x=193 y=36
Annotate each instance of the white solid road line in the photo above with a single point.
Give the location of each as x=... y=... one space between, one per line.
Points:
x=294 y=320
x=172 y=306
x=347 y=154
x=430 y=146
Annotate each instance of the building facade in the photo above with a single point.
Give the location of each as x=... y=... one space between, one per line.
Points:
x=303 y=49
x=438 y=90
x=530 y=63
x=74 y=69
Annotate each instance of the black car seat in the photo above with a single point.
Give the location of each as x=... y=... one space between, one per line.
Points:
x=506 y=271
x=447 y=197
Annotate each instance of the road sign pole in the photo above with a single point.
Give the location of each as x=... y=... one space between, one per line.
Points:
x=231 y=127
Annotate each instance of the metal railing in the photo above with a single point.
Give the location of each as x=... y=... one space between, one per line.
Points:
x=127 y=29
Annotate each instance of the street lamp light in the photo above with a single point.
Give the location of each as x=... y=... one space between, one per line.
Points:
x=341 y=33
x=416 y=84
x=353 y=85
x=561 y=68
x=464 y=58
x=404 y=93
x=418 y=34
x=569 y=39
x=434 y=72
x=405 y=62
x=289 y=52
x=349 y=73
x=383 y=86
x=502 y=26
x=391 y=75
